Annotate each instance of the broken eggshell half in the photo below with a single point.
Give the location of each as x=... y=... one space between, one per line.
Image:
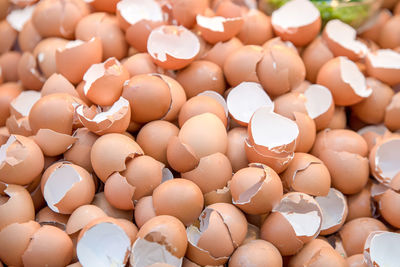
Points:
x=384 y=65
x=382 y=248
x=218 y=29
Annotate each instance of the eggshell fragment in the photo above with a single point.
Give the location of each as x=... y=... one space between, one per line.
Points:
x=384 y=65
x=100 y=201
x=381 y=248
x=244 y=99
x=296 y=220
x=8 y=92
x=256 y=29
x=314 y=56
x=218 y=29
x=19 y=16
x=21 y=160
x=360 y=205
x=319 y=105
x=221 y=50
x=388 y=37
x=119 y=193
x=22 y=104
x=19 y=126
x=389 y=204
x=57 y=83
x=47 y=216
x=307 y=174
x=235 y=151
x=82 y=216
x=14 y=240
x=185 y=11
x=28 y=72
x=355 y=232
x=256 y=189
x=356 y=260
x=140 y=63
x=163 y=42
x=28 y=37
x=103 y=242
x=341 y=40
x=118 y=148
x=177 y=150
x=298 y=21
x=8 y=35
x=164 y=238
x=16 y=206
x=307 y=132
x=144 y=210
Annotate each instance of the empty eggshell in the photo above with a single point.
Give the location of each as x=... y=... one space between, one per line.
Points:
x=314 y=56
x=388 y=37
x=341 y=40
x=185 y=11
x=221 y=50
x=162 y=46
x=82 y=216
x=389 y=206
x=235 y=151
x=298 y=21
x=144 y=210
x=22 y=104
x=384 y=65
x=47 y=216
x=140 y=63
x=360 y=204
x=296 y=220
x=8 y=35
x=378 y=241
x=164 y=238
x=307 y=132
x=356 y=260
x=57 y=83
x=28 y=37
x=319 y=105
x=28 y=72
x=373 y=28
x=53 y=143
x=256 y=28
x=218 y=29
x=8 y=92
x=119 y=193
x=100 y=201
x=256 y=189
x=9 y=65
x=21 y=160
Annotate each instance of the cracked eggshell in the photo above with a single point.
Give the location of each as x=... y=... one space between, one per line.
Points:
x=103 y=120
x=16 y=205
x=8 y=92
x=180 y=198
x=164 y=237
x=22 y=104
x=212 y=172
x=110 y=152
x=81 y=217
x=296 y=220
x=384 y=65
x=14 y=240
x=372 y=109
x=360 y=204
x=307 y=174
x=392 y=112
x=257 y=253
x=381 y=248
x=341 y=40
x=103 y=242
x=218 y=28
x=222 y=195
x=47 y=216
x=45 y=54
x=346 y=83
x=140 y=63
x=372 y=29
x=388 y=37
x=144 y=211
x=77 y=57
x=334 y=211
x=235 y=151
x=244 y=99
x=8 y=34
x=319 y=105
x=19 y=126
x=314 y=56
x=71 y=11
x=185 y=11
x=289 y=103
x=285 y=70
x=201 y=104
x=200 y=76
x=100 y=201
x=355 y=232
x=21 y=160
x=298 y=21
x=256 y=189
x=149 y=97
x=307 y=132
x=153 y=138
x=176 y=150
x=53 y=143
x=28 y=37
x=178 y=98
x=256 y=29
x=57 y=83
x=9 y=65
x=162 y=46
x=67 y=186
x=241 y=64
x=388 y=206
x=356 y=260
x=221 y=50
x=119 y=193
x=79 y=152
x=28 y=72
x=104 y=82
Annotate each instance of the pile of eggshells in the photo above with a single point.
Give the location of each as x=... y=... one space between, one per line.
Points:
x=197 y=133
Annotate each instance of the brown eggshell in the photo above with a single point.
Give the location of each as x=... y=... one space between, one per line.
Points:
x=356 y=260
x=28 y=72
x=104 y=26
x=162 y=42
x=153 y=138
x=256 y=189
x=241 y=64
x=304 y=25
x=9 y=65
x=140 y=63
x=177 y=150
x=372 y=30
x=45 y=54
x=149 y=97
x=57 y=83
x=77 y=184
x=100 y=201
x=8 y=91
x=14 y=239
x=355 y=232
x=307 y=132
x=185 y=11
x=79 y=152
x=28 y=37
x=218 y=196
x=212 y=173
x=22 y=161
x=118 y=148
x=144 y=210
x=4 y=135
x=19 y=127
x=178 y=98
x=169 y=200
x=391 y=114
x=130 y=229
x=119 y=193
x=235 y=151
x=82 y=216
x=256 y=28
x=383 y=65
x=389 y=207
x=77 y=56
x=289 y=103
x=8 y=35
x=258 y=253
x=388 y=37
x=16 y=207
x=218 y=29
x=307 y=174
x=221 y=50
x=53 y=143
x=46 y=215
x=314 y=56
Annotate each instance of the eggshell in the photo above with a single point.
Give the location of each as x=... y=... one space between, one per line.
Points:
x=8 y=92
x=355 y=232
x=360 y=205
x=389 y=207
x=218 y=28
x=383 y=65
x=258 y=253
x=373 y=28
x=82 y=216
x=18 y=126
x=117 y=148
x=235 y=151
x=241 y=64
x=388 y=37
x=119 y=193
x=314 y=56
x=22 y=160
x=256 y=29
x=177 y=150
x=302 y=27
x=53 y=143
x=8 y=34
x=28 y=37
x=14 y=240
x=185 y=11
x=67 y=186
x=9 y=65
x=356 y=260
x=169 y=200
x=140 y=63
x=178 y=98
x=130 y=229
x=162 y=46
x=100 y=201
x=46 y=215
x=374 y=244
x=222 y=195
x=144 y=210
x=256 y=189
x=16 y=207
x=307 y=132
x=77 y=56
x=57 y=83
x=104 y=26
x=221 y=50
